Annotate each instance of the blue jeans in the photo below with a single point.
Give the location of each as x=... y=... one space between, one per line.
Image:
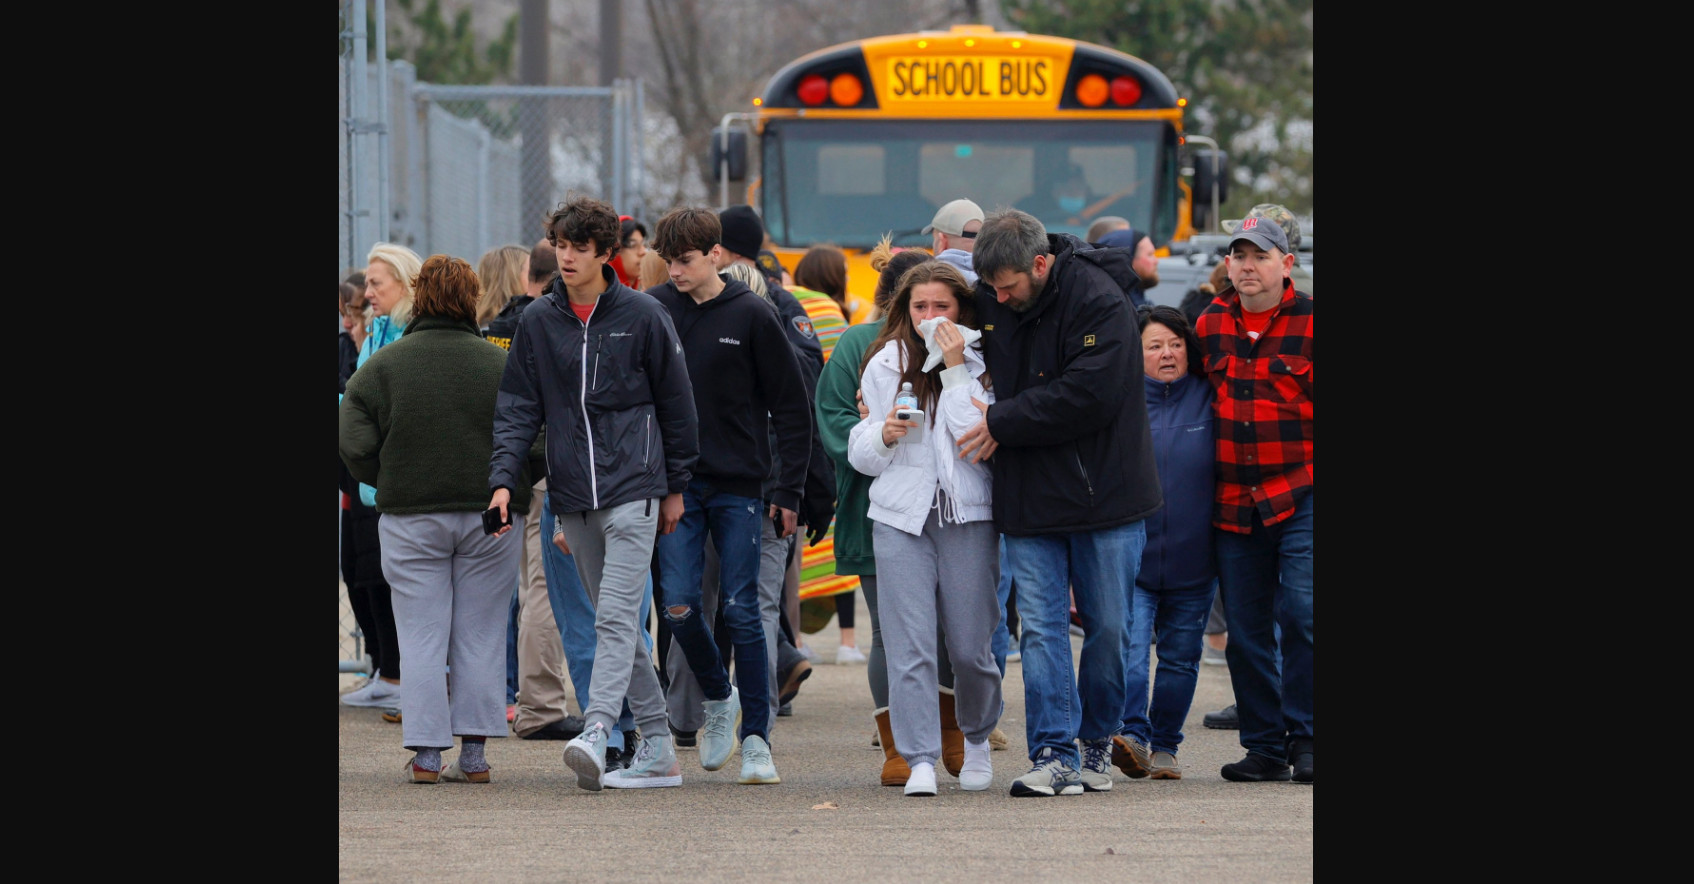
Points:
x=1266 y=581
x=1176 y=618
x=1062 y=703
x=575 y=616
x=512 y=652
x=736 y=528
x=1001 y=643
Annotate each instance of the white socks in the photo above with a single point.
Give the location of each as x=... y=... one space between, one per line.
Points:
x=977 y=771
x=922 y=780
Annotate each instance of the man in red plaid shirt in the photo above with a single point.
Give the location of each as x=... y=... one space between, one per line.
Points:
x=1257 y=336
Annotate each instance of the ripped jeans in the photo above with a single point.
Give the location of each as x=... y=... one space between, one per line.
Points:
x=734 y=526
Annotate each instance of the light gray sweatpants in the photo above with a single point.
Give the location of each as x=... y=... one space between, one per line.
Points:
x=613 y=550
x=684 y=697
x=946 y=576
x=452 y=599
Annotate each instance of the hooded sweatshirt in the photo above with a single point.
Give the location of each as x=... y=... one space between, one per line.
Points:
x=746 y=379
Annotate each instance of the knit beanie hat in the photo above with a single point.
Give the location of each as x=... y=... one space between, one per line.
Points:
x=743 y=233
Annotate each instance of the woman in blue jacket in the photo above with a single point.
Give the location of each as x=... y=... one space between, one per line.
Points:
x=1178 y=576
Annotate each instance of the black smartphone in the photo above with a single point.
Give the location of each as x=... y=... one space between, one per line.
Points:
x=491 y=520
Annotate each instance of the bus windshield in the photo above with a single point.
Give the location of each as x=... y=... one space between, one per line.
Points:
x=849 y=182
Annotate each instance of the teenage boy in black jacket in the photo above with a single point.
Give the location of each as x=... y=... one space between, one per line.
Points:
x=600 y=366
x=749 y=380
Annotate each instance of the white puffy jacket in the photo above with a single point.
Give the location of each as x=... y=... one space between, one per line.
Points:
x=907 y=475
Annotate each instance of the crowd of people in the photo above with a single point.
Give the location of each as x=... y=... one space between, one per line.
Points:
x=613 y=447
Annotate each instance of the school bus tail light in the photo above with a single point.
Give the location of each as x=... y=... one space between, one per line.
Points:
x=1126 y=91
x=1091 y=90
x=812 y=90
x=846 y=90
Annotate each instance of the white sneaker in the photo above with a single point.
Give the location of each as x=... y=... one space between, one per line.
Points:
x=922 y=781
x=378 y=693
x=718 y=736
x=756 y=765
x=977 y=771
x=587 y=756
x=811 y=655
x=654 y=766
x=848 y=654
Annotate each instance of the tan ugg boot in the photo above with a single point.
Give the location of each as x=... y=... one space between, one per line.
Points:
x=894 y=769
x=952 y=739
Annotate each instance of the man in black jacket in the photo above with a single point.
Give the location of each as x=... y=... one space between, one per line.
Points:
x=1074 y=477
x=600 y=366
x=750 y=380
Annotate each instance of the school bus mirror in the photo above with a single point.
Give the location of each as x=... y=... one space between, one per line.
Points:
x=736 y=154
x=1205 y=177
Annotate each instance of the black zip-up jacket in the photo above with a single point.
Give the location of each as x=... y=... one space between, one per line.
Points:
x=501 y=328
x=613 y=394
x=1070 y=414
x=746 y=380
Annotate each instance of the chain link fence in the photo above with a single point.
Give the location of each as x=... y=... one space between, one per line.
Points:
x=459 y=170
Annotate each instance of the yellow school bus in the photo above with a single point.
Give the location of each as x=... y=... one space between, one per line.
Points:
x=872 y=137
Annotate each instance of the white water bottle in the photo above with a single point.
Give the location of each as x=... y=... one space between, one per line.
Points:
x=906 y=409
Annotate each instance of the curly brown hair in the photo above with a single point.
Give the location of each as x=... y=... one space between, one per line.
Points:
x=446 y=287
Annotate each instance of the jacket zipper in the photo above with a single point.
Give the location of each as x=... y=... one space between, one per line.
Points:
x=1084 y=470
x=593 y=480
x=647 y=434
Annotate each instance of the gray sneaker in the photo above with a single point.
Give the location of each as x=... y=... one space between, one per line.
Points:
x=718 y=735
x=756 y=765
x=586 y=754
x=1050 y=776
x=653 y=766
x=1096 y=772
x=1164 y=767
x=1131 y=757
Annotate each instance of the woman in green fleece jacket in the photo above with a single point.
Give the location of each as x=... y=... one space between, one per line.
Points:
x=418 y=423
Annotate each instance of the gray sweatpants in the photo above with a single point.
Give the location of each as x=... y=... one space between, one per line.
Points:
x=684 y=697
x=452 y=599
x=946 y=576
x=613 y=549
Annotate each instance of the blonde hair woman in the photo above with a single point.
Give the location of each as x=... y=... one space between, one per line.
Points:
x=504 y=274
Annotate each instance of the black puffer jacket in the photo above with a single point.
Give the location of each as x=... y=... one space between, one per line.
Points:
x=613 y=394
x=1070 y=414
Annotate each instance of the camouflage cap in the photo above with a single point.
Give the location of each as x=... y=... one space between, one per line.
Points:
x=1273 y=212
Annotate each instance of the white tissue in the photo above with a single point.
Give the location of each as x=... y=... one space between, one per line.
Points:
x=927 y=329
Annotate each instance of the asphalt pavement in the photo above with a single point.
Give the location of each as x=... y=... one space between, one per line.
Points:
x=828 y=821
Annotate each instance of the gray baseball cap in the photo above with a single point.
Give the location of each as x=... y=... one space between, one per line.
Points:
x=1262 y=232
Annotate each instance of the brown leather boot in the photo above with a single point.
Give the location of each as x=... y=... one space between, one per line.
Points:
x=952 y=739
x=894 y=769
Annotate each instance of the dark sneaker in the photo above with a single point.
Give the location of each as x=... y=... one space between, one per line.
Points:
x=566 y=728
x=1224 y=719
x=684 y=739
x=790 y=679
x=1096 y=771
x=391 y=715
x=1255 y=768
x=1050 y=776
x=1300 y=755
x=1131 y=757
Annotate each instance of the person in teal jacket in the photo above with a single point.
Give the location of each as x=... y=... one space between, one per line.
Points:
x=390 y=269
